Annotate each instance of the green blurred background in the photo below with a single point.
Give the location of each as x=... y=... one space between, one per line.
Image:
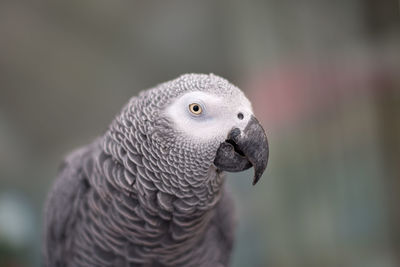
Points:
x=323 y=76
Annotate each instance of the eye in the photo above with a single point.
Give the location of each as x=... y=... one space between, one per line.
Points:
x=240 y=116
x=195 y=108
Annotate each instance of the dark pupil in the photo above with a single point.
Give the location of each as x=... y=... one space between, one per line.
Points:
x=196 y=108
x=240 y=116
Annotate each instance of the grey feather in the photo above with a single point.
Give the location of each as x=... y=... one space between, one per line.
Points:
x=140 y=195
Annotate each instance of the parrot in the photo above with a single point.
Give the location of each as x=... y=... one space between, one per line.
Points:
x=150 y=191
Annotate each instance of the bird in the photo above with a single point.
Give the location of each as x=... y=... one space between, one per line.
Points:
x=150 y=190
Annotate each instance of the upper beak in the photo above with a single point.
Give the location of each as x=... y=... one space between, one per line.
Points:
x=244 y=149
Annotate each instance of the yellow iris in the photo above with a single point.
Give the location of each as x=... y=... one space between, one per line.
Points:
x=195 y=108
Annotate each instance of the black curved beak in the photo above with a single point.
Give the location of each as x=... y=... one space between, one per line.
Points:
x=243 y=150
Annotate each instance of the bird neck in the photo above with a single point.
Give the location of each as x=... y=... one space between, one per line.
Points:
x=151 y=219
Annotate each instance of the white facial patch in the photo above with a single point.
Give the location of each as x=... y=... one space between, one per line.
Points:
x=219 y=115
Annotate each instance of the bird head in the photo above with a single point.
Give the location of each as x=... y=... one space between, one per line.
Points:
x=211 y=122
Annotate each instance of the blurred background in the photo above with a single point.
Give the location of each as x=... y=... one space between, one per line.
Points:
x=323 y=77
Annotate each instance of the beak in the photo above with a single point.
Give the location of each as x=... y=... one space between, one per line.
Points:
x=244 y=149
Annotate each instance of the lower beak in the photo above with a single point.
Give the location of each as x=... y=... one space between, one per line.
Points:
x=244 y=149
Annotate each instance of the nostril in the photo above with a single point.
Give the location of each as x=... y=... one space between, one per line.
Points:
x=240 y=116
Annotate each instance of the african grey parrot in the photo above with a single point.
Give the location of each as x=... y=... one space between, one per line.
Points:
x=150 y=191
